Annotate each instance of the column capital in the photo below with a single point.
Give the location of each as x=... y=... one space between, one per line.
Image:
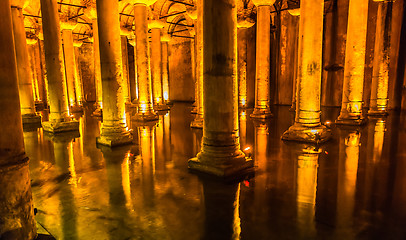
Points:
x=68 y=25
x=20 y=4
x=294 y=8
x=165 y=38
x=156 y=24
x=259 y=3
x=125 y=31
x=244 y=19
x=143 y=2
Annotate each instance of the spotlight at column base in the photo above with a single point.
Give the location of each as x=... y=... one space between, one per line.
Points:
x=31 y=119
x=145 y=117
x=56 y=127
x=197 y=122
x=261 y=113
x=231 y=167
x=301 y=133
x=377 y=112
x=348 y=120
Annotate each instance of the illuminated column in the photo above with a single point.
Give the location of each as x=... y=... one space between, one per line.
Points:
x=295 y=11
x=59 y=119
x=134 y=85
x=165 y=70
x=192 y=13
x=263 y=60
x=156 y=64
x=97 y=71
x=380 y=74
x=353 y=85
x=307 y=126
x=113 y=131
x=70 y=64
x=145 y=110
x=124 y=57
x=36 y=83
x=16 y=206
x=243 y=25
x=23 y=68
x=198 y=121
x=78 y=78
x=220 y=154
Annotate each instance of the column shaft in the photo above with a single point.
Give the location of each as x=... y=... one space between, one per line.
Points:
x=165 y=72
x=380 y=73
x=78 y=78
x=70 y=66
x=124 y=57
x=23 y=69
x=17 y=215
x=307 y=127
x=353 y=85
x=242 y=66
x=59 y=119
x=263 y=63
x=221 y=154
x=113 y=131
x=145 y=112
x=156 y=58
x=97 y=71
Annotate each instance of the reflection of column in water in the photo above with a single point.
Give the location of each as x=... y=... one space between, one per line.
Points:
x=147 y=150
x=307 y=165
x=347 y=177
x=243 y=129
x=222 y=206
x=261 y=162
x=167 y=136
x=160 y=163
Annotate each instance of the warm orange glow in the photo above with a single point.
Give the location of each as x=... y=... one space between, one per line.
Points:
x=143 y=108
x=166 y=96
x=73 y=177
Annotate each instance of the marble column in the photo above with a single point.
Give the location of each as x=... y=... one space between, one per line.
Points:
x=295 y=11
x=263 y=60
x=134 y=84
x=192 y=13
x=198 y=120
x=307 y=126
x=16 y=205
x=70 y=65
x=244 y=23
x=165 y=67
x=353 y=85
x=145 y=108
x=97 y=72
x=78 y=78
x=220 y=154
x=124 y=57
x=156 y=64
x=113 y=131
x=59 y=119
x=378 y=104
x=27 y=104
x=36 y=83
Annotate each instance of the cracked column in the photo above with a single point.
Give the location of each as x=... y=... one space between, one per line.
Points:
x=378 y=104
x=59 y=119
x=353 y=85
x=220 y=154
x=244 y=22
x=165 y=69
x=263 y=60
x=16 y=205
x=113 y=131
x=198 y=121
x=70 y=65
x=156 y=67
x=27 y=104
x=145 y=110
x=307 y=126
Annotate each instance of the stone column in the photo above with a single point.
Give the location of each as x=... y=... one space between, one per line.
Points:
x=198 y=121
x=263 y=60
x=243 y=24
x=97 y=72
x=295 y=11
x=124 y=57
x=156 y=64
x=27 y=104
x=134 y=85
x=59 y=119
x=378 y=104
x=220 y=154
x=192 y=13
x=165 y=69
x=353 y=85
x=145 y=110
x=70 y=65
x=113 y=131
x=307 y=126
x=17 y=213
x=78 y=78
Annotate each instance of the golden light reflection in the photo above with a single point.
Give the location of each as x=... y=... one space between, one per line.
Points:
x=379 y=136
x=125 y=171
x=243 y=128
x=73 y=180
x=237 y=219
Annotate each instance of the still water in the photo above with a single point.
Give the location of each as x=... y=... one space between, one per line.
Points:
x=352 y=187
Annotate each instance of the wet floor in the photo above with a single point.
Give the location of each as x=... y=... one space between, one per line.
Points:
x=353 y=187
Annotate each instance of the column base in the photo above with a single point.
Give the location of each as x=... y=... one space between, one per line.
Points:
x=224 y=167
x=98 y=112
x=197 y=122
x=161 y=107
x=39 y=106
x=348 y=120
x=31 y=119
x=145 y=117
x=292 y=108
x=378 y=113
x=261 y=113
x=116 y=140
x=300 y=133
x=76 y=109
x=56 y=127
x=194 y=110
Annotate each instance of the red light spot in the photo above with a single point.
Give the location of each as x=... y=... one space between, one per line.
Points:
x=246 y=183
x=326 y=152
